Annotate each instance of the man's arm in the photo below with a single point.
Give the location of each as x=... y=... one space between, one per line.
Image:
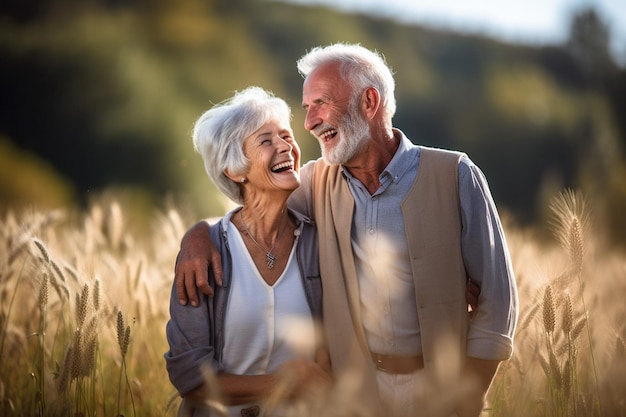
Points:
x=487 y=261
x=197 y=254
x=478 y=373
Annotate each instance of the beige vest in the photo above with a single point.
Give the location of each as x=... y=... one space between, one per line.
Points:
x=432 y=220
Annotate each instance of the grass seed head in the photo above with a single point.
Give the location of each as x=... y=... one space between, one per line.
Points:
x=42 y=249
x=77 y=356
x=96 y=295
x=65 y=370
x=82 y=305
x=43 y=291
x=58 y=271
x=549 y=315
x=120 y=328
x=568 y=314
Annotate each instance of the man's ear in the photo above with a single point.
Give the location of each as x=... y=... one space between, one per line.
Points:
x=370 y=102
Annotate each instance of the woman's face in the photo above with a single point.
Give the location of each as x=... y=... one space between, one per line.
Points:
x=274 y=158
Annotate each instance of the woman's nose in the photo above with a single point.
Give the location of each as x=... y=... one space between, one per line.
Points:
x=284 y=146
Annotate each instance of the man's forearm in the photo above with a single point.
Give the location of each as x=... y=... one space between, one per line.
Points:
x=478 y=373
x=197 y=254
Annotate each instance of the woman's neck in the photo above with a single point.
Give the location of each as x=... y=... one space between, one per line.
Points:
x=265 y=222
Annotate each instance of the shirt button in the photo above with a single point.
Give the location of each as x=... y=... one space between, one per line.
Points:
x=371 y=231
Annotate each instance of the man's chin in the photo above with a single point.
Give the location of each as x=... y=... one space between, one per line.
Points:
x=329 y=159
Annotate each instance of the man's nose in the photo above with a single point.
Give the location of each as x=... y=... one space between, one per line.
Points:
x=311 y=120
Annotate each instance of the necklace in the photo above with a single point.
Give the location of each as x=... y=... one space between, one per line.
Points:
x=269 y=256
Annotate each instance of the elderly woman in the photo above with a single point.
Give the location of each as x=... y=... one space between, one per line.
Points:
x=260 y=324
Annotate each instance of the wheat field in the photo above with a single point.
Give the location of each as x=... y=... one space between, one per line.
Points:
x=84 y=302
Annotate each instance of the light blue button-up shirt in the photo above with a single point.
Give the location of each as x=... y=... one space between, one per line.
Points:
x=384 y=271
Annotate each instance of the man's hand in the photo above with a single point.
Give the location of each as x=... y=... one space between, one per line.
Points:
x=472 y=291
x=197 y=254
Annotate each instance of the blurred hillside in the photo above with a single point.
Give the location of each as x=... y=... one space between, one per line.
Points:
x=102 y=95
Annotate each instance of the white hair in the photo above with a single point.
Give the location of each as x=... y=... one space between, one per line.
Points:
x=359 y=66
x=219 y=134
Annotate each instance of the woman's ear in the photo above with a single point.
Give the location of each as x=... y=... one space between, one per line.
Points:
x=236 y=177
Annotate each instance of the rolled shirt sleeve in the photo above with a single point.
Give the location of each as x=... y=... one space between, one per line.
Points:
x=488 y=263
x=188 y=334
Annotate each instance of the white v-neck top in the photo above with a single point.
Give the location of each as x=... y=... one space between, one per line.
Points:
x=265 y=325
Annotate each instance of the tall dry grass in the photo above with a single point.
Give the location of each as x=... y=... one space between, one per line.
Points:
x=84 y=302
x=569 y=348
x=83 y=305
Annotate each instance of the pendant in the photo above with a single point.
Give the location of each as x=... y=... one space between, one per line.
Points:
x=269 y=259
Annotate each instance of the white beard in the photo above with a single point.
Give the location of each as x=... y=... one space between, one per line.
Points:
x=353 y=134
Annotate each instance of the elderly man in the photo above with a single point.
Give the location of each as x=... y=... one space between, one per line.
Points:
x=402 y=227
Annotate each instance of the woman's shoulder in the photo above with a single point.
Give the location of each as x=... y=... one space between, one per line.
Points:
x=303 y=223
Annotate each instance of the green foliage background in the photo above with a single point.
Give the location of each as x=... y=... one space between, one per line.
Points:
x=101 y=95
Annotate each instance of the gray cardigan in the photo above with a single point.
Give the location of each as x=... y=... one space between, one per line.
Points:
x=195 y=334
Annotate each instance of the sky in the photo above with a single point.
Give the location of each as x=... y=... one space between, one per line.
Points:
x=534 y=22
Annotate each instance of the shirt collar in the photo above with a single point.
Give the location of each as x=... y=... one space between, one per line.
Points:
x=399 y=164
x=401 y=161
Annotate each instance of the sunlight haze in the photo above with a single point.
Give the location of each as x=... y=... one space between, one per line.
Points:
x=521 y=21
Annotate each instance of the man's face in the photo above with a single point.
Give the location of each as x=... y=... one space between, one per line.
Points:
x=331 y=116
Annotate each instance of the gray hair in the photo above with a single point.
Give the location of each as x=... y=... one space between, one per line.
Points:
x=219 y=134
x=359 y=66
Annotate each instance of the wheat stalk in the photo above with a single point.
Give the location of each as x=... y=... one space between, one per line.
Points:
x=16 y=250
x=72 y=273
x=568 y=375
x=43 y=302
x=77 y=356
x=66 y=369
x=121 y=332
x=529 y=316
x=123 y=339
x=578 y=328
x=568 y=315
x=96 y=295
x=549 y=314
x=43 y=292
x=60 y=288
x=570 y=221
x=91 y=341
x=525 y=389
x=42 y=249
x=82 y=305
